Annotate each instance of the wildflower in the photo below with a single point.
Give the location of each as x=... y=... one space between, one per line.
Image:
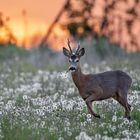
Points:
x=69 y=133
x=83 y=136
x=60 y=138
x=89 y=116
x=114 y=118
x=63 y=75
x=25 y=97
x=126 y=121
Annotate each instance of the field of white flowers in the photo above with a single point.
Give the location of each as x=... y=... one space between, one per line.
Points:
x=45 y=105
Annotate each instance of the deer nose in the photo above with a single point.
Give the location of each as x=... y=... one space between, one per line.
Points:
x=72 y=68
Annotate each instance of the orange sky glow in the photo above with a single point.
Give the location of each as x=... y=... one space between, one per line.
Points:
x=29 y=20
x=39 y=14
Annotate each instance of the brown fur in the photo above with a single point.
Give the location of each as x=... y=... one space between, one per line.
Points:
x=110 y=84
x=95 y=87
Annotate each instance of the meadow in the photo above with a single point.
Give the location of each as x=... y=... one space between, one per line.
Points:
x=43 y=104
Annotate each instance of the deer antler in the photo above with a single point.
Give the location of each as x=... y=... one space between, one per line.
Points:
x=69 y=45
x=77 y=48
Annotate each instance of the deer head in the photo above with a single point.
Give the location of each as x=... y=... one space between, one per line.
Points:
x=74 y=57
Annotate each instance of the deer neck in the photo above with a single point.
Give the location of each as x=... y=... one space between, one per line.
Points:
x=78 y=77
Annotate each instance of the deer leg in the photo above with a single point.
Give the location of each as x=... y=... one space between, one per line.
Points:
x=127 y=110
x=90 y=104
x=129 y=106
x=89 y=101
x=123 y=101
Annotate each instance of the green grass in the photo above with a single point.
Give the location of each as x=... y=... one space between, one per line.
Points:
x=41 y=104
x=18 y=130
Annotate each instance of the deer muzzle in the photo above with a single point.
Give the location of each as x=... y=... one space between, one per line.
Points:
x=72 y=68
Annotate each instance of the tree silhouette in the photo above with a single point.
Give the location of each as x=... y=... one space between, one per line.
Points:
x=117 y=20
x=57 y=18
x=6 y=36
x=78 y=18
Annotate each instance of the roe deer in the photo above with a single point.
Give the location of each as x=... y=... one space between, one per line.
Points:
x=95 y=87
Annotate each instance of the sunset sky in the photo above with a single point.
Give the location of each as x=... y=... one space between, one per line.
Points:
x=40 y=13
x=42 y=10
x=30 y=26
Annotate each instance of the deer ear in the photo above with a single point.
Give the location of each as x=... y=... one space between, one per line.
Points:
x=66 y=52
x=81 y=52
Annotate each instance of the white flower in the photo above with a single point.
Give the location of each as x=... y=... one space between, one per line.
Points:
x=89 y=116
x=60 y=138
x=114 y=118
x=25 y=97
x=63 y=75
x=83 y=136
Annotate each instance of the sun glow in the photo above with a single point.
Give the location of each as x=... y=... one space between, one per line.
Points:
x=29 y=34
x=26 y=33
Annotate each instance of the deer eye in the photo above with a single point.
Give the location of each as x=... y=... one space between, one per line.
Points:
x=77 y=60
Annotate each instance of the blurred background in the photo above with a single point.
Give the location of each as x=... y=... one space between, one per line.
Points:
x=33 y=33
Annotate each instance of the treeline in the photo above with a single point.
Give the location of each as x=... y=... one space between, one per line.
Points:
x=117 y=20
x=6 y=35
